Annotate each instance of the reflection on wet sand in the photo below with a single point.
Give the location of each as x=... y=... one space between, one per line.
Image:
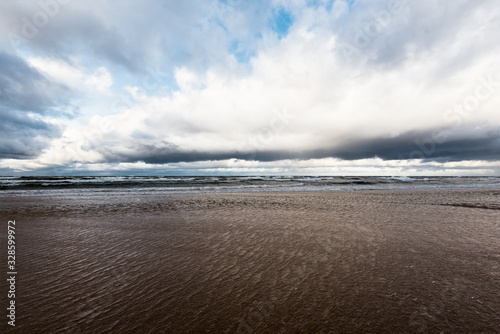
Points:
x=312 y=262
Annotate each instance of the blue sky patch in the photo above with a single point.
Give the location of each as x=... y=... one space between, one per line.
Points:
x=319 y=3
x=240 y=52
x=281 y=21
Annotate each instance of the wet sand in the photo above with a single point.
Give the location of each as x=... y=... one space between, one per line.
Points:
x=311 y=262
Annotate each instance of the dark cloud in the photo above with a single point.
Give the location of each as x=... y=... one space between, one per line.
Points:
x=25 y=98
x=417 y=145
x=22 y=87
x=411 y=145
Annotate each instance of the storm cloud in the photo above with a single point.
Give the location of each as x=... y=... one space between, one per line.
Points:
x=407 y=146
x=26 y=99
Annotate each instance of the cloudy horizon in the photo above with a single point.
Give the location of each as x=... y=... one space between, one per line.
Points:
x=390 y=87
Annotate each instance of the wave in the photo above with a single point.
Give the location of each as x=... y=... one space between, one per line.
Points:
x=238 y=183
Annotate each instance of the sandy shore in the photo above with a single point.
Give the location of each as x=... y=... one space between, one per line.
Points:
x=314 y=262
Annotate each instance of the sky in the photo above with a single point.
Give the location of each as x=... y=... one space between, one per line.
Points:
x=299 y=87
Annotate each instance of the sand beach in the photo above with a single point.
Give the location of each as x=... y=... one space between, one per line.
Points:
x=406 y=261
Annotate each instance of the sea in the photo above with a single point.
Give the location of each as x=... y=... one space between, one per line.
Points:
x=199 y=184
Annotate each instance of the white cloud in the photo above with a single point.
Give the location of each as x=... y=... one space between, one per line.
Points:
x=101 y=80
x=297 y=94
x=74 y=76
x=330 y=103
x=58 y=70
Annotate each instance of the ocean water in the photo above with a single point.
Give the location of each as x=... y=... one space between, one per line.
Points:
x=194 y=184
